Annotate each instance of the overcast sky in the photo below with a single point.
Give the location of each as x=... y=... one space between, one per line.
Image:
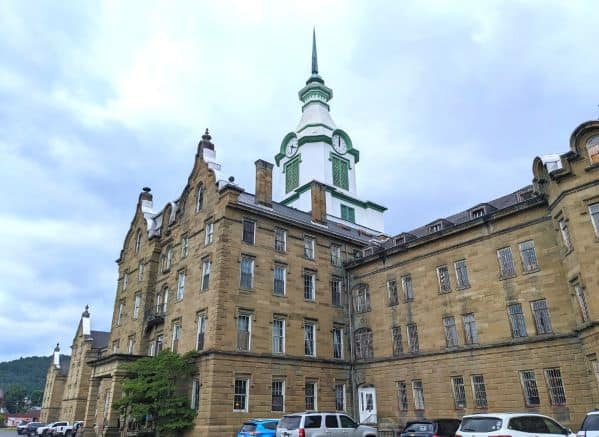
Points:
x=449 y=102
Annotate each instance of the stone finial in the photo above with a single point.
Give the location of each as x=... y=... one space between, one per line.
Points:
x=86 y=312
x=206 y=141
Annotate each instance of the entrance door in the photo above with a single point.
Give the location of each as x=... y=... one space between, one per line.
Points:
x=367 y=403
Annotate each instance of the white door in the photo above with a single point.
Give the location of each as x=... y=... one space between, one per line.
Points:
x=367 y=403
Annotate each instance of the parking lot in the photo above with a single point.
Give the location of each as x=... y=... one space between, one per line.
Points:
x=4 y=432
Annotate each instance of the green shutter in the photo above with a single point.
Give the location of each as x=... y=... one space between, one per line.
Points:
x=340 y=172
x=348 y=213
x=291 y=175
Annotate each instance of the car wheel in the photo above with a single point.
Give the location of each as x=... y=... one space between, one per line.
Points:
x=68 y=434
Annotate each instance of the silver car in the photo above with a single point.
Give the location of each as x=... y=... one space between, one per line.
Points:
x=322 y=424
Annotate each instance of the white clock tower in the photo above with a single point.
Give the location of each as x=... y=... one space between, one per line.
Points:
x=318 y=150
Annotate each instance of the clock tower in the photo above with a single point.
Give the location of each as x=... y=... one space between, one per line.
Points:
x=318 y=150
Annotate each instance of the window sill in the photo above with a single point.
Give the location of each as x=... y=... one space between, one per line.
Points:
x=246 y=290
x=465 y=287
x=528 y=272
x=592 y=167
x=392 y=304
x=444 y=292
x=408 y=300
x=247 y=243
x=503 y=278
x=310 y=300
x=284 y=296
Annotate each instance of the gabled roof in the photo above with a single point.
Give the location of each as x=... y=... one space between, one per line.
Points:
x=99 y=339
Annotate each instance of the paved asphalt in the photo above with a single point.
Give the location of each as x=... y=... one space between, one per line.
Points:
x=7 y=432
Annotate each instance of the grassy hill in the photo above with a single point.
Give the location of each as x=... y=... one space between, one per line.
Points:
x=25 y=377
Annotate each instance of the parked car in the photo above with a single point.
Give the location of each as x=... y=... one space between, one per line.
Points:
x=322 y=424
x=48 y=430
x=431 y=428
x=512 y=424
x=259 y=427
x=67 y=430
x=22 y=427
x=32 y=427
x=590 y=425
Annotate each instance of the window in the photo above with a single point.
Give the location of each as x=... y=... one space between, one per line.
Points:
x=529 y=256
x=309 y=247
x=582 y=302
x=137 y=241
x=176 y=335
x=209 y=232
x=167 y=259
x=164 y=300
x=477 y=213
x=313 y=421
x=291 y=174
x=413 y=338
x=362 y=299
x=402 y=395
x=336 y=292
x=593 y=149
x=125 y=280
x=136 y=305
x=309 y=339
x=200 y=198
x=206 y=267
x=130 y=345
x=247 y=273
x=340 y=397
x=278 y=335
x=140 y=271
x=517 y=321
x=201 y=331
x=406 y=284
x=392 y=292
x=119 y=318
x=115 y=347
x=529 y=386
x=348 y=213
x=541 y=315
x=470 y=331
x=244 y=330
x=240 y=398
x=451 y=333
x=363 y=342
x=435 y=228
x=280 y=279
x=461 y=274
x=181 y=285
x=336 y=255
x=459 y=392
x=278 y=395
x=563 y=227
x=337 y=343
x=195 y=394
x=280 y=240
x=594 y=213
x=479 y=391
x=397 y=341
x=159 y=343
x=340 y=172
x=506 y=262
x=184 y=246
x=310 y=397
x=309 y=284
x=418 y=395
x=443 y=278
x=595 y=368
x=555 y=386
x=249 y=231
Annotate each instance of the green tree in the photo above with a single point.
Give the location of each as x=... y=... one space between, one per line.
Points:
x=14 y=397
x=156 y=392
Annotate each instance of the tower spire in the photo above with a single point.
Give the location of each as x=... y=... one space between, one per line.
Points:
x=314 y=55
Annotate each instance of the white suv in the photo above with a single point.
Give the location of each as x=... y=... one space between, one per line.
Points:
x=590 y=425
x=322 y=424
x=512 y=425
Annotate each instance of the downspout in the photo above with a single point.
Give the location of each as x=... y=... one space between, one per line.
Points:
x=352 y=369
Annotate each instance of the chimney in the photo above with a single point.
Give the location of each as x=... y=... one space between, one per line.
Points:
x=145 y=198
x=57 y=356
x=86 y=322
x=319 y=202
x=264 y=182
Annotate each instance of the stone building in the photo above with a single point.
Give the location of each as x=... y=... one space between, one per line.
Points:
x=67 y=381
x=305 y=302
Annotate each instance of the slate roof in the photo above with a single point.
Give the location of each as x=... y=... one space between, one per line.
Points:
x=359 y=233
x=100 y=339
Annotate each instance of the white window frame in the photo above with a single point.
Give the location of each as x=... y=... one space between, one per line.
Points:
x=282 y=382
x=195 y=394
x=459 y=392
x=246 y=395
x=555 y=386
x=140 y=271
x=418 y=394
x=392 y=293
x=402 y=395
x=413 y=341
x=594 y=214
x=470 y=329
x=208 y=232
x=336 y=255
x=130 y=345
x=202 y=321
x=334 y=331
x=165 y=293
x=309 y=247
x=184 y=246
x=284 y=233
x=408 y=287
x=462 y=279
x=136 y=305
x=312 y=275
x=530 y=263
x=443 y=280
x=283 y=267
x=451 y=331
x=312 y=326
x=339 y=290
x=343 y=396
x=119 y=318
x=252 y=262
x=253 y=222
x=137 y=241
x=125 y=280
x=249 y=331
x=315 y=391
x=479 y=391
x=282 y=337
x=582 y=302
x=206 y=269
x=176 y=334
x=506 y=271
x=525 y=387
x=180 y=285
x=565 y=233
x=200 y=198
x=538 y=315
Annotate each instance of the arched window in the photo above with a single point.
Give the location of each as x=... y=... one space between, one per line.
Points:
x=137 y=241
x=361 y=299
x=363 y=343
x=593 y=149
x=200 y=198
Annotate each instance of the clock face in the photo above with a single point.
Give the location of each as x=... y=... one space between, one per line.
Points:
x=291 y=147
x=339 y=144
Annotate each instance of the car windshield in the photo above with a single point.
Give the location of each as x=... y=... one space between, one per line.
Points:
x=591 y=423
x=290 y=422
x=480 y=424
x=419 y=427
x=248 y=427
